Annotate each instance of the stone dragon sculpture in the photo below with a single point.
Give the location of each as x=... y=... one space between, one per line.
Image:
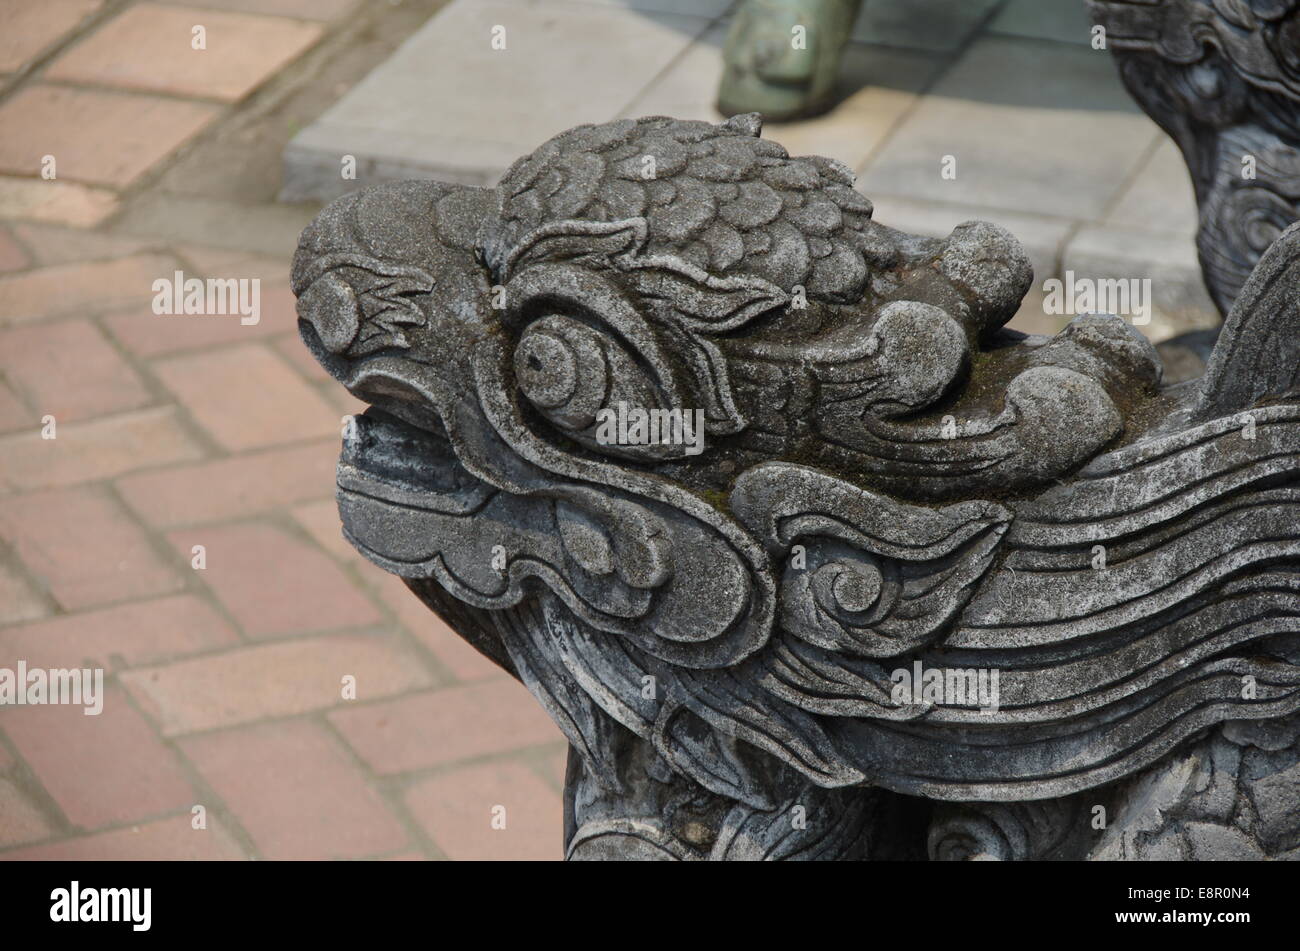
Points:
x=893 y=488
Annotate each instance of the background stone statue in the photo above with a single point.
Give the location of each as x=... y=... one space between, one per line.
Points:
x=1223 y=79
x=931 y=587
x=783 y=57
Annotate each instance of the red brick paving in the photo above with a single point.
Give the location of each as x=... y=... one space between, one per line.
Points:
x=240 y=51
x=234 y=487
x=288 y=781
x=31 y=28
x=95 y=449
x=50 y=244
x=78 y=288
x=320 y=520
x=147 y=334
x=19 y=599
x=87 y=549
x=452 y=651
x=12 y=256
x=69 y=370
x=172 y=839
x=97 y=138
x=23 y=820
x=225 y=686
x=301 y=9
x=445 y=726
x=101 y=770
x=279 y=679
x=247 y=397
x=13 y=413
x=54 y=202
x=125 y=635
x=457 y=810
x=273 y=583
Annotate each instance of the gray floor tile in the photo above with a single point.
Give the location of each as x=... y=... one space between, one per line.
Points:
x=921 y=24
x=1065 y=21
x=1033 y=127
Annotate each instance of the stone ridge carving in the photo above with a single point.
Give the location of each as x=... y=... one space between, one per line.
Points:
x=1222 y=77
x=742 y=645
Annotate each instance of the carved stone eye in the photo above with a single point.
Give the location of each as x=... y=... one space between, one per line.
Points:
x=570 y=371
x=562 y=369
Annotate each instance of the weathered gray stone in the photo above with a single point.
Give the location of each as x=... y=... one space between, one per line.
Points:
x=1213 y=843
x=884 y=579
x=1223 y=79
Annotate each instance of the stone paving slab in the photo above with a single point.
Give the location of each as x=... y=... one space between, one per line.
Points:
x=880 y=85
x=1159 y=198
x=941 y=25
x=1037 y=127
x=449 y=105
x=1065 y=21
x=1046 y=141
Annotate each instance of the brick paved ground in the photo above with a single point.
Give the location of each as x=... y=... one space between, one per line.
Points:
x=223 y=685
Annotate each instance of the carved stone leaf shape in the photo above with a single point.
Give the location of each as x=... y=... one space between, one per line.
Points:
x=716 y=760
x=557 y=241
x=705 y=303
x=832 y=829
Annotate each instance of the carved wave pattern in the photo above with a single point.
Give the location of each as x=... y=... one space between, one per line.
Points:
x=1193 y=617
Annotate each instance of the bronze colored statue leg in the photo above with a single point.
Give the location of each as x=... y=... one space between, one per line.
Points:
x=783 y=56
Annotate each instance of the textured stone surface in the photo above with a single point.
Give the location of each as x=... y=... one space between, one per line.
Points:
x=1222 y=80
x=888 y=481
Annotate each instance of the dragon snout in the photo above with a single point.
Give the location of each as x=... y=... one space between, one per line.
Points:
x=331 y=308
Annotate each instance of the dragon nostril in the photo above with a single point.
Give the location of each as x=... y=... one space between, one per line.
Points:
x=330 y=306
